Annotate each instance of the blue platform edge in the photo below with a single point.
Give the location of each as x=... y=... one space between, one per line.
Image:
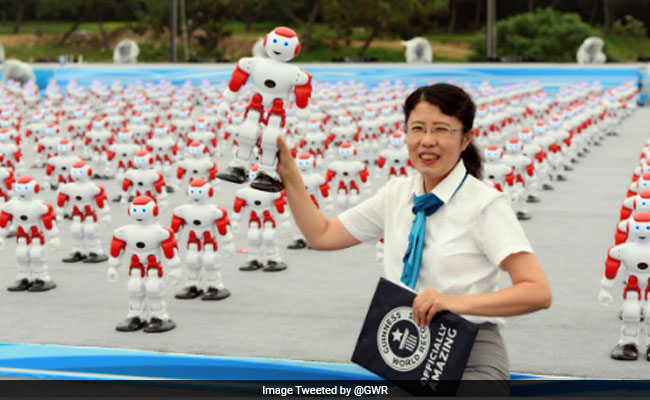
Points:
x=72 y=362
x=552 y=77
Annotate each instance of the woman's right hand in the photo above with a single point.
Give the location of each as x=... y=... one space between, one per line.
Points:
x=286 y=164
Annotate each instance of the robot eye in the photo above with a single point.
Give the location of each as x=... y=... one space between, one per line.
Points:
x=644 y=184
x=191 y=191
x=637 y=227
x=286 y=44
x=135 y=210
x=275 y=40
x=143 y=210
x=647 y=227
x=643 y=203
x=200 y=191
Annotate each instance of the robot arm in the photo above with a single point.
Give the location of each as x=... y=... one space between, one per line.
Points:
x=118 y=246
x=325 y=194
x=627 y=207
x=5 y=224
x=236 y=216
x=612 y=264
x=49 y=222
x=213 y=171
x=303 y=92
x=279 y=203
x=177 y=223
x=170 y=249
x=223 y=227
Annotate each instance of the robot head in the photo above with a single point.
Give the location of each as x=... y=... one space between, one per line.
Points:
x=369 y=113
x=525 y=135
x=539 y=128
x=397 y=139
x=200 y=190
x=161 y=130
x=137 y=118
x=481 y=111
x=124 y=135
x=76 y=113
x=282 y=44
x=306 y=163
x=314 y=107
x=5 y=122
x=5 y=135
x=492 y=153
x=643 y=204
x=345 y=119
x=237 y=118
x=183 y=113
x=347 y=150
x=98 y=123
x=514 y=102
x=37 y=116
x=514 y=146
x=143 y=209
x=196 y=149
x=26 y=187
x=555 y=122
x=80 y=171
x=201 y=125
x=51 y=129
x=386 y=111
x=313 y=125
x=65 y=147
x=252 y=172
x=143 y=160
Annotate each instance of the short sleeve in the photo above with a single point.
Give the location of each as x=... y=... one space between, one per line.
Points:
x=365 y=221
x=498 y=233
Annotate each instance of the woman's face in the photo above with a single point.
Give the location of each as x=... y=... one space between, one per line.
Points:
x=434 y=141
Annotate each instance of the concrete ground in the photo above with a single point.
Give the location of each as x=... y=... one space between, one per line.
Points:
x=314 y=310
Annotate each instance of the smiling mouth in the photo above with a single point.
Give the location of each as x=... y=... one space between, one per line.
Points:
x=642 y=237
x=139 y=219
x=277 y=52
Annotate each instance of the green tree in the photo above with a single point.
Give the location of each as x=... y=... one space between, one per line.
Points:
x=632 y=29
x=545 y=35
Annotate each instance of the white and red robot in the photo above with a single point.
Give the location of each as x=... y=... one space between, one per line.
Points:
x=13 y=155
x=59 y=166
x=396 y=157
x=7 y=180
x=317 y=188
x=47 y=144
x=272 y=82
x=197 y=164
x=36 y=227
x=89 y=206
x=144 y=244
x=204 y=222
x=143 y=180
x=261 y=225
x=501 y=176
x=634 y=257
x=97 y=141
x=350 y=174
x=537 y=153
x=123 y=151
x=164 y=149
x=201 y=133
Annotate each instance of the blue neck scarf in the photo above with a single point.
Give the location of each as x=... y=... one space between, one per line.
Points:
x=423 y=206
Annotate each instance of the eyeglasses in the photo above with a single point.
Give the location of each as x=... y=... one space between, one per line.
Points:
x=439 y=131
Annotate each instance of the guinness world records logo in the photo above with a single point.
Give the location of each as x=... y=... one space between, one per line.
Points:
x=401 y=342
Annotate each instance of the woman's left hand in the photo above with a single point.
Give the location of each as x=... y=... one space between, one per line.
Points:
x=427 y=303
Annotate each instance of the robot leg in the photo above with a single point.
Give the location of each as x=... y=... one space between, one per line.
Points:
x=519 y=204
x=342 y=199
x=646 y=313
x=270 y=239
x=254 y=254
x=627 y=347
x=299 y=241
x=191 y=289
x=23 y=281
x=159 y=319
x=267 y=178
x=532 y=185
x=38 y=261
x=95 y=252
x=215 y=287
x=135 y=319
x=237 y=170
x=353 y=198
x=77 y=252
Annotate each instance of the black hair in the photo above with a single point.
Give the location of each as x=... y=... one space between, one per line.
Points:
x=455 y=102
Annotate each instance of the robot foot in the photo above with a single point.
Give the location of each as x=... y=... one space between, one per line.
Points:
x=561 y=178
x=274 y=266
x=157 y=325
x=234 y=174
x=252 y=265
x=297 y=244
x=547 y=186
x=117 y=198
x=74 y=257
x=532 y=198
x=20 y=285
x=95 y=258
x=620 y=316
x=188 y=293
x=212 y=293
x=131 y=325
x=568 y=168
x=625 y=352
x=522 y=215
x=170 y=189
x=647 y=354
x=12 y=233
x=40 y=285
x=267 y=183
x=53 y=187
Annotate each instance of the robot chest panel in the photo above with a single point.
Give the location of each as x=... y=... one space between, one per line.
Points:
x=142 y=238
x=201 y=136
x=348 y=170
x=258 y=200
x=144 y=179
x=397 y=157
x=495 y=171
x=125 y=150
x=312 y=182
x=28 y=214
x=197 y=166
x=161 y=145
x=273 y=78
x=199 y=217
x=8 y=148
x=82 y=193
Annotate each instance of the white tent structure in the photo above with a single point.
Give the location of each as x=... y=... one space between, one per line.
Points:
x=418 y=51
x=17 y=70
x=126 y=52
x=591 y=51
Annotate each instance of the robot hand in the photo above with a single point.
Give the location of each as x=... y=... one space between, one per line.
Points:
x=223 y=109
x=175 y=276
x=228 y=250
x=106 y=220
x=123 y=200
x=54 y=243
x=234 y=226
x=112 y=275
x=2 y=242
x=605 y=298
x=302 y=114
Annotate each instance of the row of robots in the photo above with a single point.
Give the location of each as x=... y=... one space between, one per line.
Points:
x=627 y=261
x=155 y=139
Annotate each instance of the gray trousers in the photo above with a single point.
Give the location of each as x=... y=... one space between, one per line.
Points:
x=488 y=362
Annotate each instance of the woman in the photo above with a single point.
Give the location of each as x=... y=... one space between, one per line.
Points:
x=472 y=235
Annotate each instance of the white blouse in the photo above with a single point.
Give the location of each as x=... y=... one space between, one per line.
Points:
x=465 y=241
